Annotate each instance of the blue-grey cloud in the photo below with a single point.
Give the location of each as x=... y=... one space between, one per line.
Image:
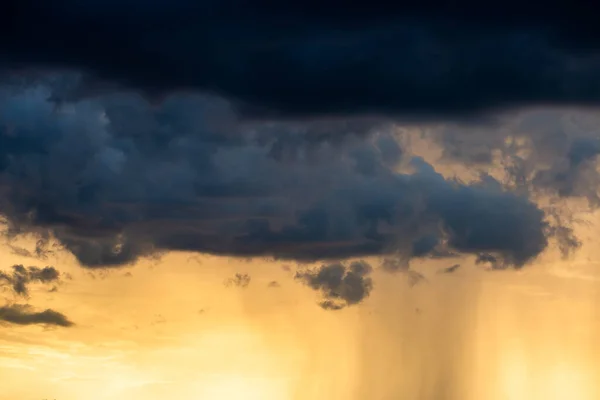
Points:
x=115 y=178
x=20 y=277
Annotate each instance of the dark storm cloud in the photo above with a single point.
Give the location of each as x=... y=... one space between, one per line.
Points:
x=340 y=285
x=329 y=57
x=114 y=179
x=21 y=314
x=20 y=277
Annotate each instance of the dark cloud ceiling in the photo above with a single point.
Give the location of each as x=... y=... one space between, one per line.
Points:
x=306 y=58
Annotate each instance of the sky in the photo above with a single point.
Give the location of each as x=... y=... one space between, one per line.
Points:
x=260 y=200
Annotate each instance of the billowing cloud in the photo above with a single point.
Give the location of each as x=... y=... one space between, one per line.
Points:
x=307 y=58
x=114 y=179
x=20 y=314
x=20 y=277
x=340 y=285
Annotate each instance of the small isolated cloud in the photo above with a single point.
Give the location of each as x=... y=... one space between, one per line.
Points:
x=450 y=270
x=20 y=277
x=22 y=314
x=273 y=284
x=491 y=261
x=340 y=285
x=41 y=251
x=238 y=280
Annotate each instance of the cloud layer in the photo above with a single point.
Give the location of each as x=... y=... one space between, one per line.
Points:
x=115 y=178
x=308 y=58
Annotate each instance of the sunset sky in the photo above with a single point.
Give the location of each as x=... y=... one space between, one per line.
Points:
x=299 y=201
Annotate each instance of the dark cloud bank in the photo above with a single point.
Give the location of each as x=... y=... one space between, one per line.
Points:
x=300 y=58
x=114 y=178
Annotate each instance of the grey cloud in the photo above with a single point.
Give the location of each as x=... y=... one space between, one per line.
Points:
x=548 y=153
x=574 y=174
x=239 y=280
x=340 y=285
x=20 y=277
x=20 y=314
x=115 y=178
x=551 y=151
x=451 y=269
x=41 y=251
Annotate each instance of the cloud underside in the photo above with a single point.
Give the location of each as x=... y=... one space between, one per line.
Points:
x=426 y=60
x=19 y=314
x=115 y=178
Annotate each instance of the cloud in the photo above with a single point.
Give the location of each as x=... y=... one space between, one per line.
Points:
x=340 y=285
x=449 y=270
x=40 y=251
x=430 y=59
x=20 y=314
x=574 y=174
x=491 y=260
x=239 y=280
x=415 y=278
x=544 y=151
x=21 y=277
x=114 y=178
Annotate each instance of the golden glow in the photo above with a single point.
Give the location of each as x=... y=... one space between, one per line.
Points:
x=176 y=332
x=242 y=387
x=519 y=381
x=243 y=367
